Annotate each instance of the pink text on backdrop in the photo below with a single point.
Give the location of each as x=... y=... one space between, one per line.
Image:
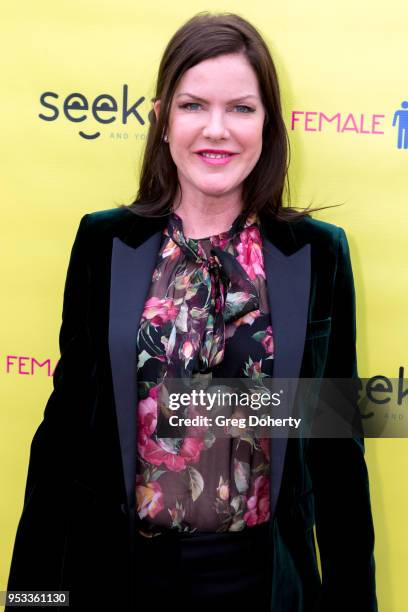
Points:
x=27 y=366
x=313 y=121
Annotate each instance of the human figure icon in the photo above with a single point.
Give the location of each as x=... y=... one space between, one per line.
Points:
x=402 y=115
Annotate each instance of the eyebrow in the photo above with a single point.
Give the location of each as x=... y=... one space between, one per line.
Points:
x=190 y=95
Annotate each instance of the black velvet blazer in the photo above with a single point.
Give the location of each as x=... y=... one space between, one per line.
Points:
x=76 y=528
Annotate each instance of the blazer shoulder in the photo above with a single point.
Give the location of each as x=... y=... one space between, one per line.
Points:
x=316 y=228
x=110 y=219
x=318 y=233
x=99 y=227
x=96 y=229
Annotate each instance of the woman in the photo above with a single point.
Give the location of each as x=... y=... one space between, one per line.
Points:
x=204 y=275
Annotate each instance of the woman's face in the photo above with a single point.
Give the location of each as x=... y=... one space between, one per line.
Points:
x=215 y=126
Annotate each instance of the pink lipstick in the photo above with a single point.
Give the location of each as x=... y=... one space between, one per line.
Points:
x=215 y=157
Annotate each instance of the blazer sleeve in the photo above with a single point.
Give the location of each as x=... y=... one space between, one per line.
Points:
x=54 y=447
x=344 y=524
x=39 y=546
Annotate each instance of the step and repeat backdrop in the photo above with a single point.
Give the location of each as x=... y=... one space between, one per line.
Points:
x=77 y=83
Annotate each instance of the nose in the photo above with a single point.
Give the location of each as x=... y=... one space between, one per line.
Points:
x=215 y=127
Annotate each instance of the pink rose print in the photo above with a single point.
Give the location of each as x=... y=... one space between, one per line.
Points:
x=250 y=253
x=267 y=341
x=187 y=350
x=258 y=503
x=149 y=498
x=151 y=450
x=221 y=240
x=147 y=416
x=158 y=311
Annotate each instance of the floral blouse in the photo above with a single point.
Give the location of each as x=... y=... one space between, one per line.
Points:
x=206 y=313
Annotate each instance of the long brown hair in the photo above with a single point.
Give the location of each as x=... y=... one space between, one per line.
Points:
x=202 y=37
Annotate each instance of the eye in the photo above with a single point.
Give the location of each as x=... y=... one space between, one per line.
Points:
x=188 y=105
x=244 y=108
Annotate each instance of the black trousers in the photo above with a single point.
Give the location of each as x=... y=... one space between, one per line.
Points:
x=206 y=571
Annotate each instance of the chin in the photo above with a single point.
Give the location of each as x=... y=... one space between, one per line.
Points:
x=211 y=189
x=215 y=193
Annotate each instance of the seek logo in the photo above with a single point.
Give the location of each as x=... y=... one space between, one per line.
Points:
x=104 y=109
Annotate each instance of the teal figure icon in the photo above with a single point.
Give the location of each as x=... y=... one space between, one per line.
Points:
x=402 y=117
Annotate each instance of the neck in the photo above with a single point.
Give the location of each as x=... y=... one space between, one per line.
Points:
x=202 y=219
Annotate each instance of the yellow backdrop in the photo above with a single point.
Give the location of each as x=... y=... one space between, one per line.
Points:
x=343 y=70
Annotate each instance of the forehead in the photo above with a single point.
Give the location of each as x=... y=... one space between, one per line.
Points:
x=229 y=74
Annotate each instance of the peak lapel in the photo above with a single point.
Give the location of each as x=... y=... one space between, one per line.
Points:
x=288 y=276
x=131 y=273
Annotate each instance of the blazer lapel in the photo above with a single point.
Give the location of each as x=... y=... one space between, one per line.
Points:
x=131 y=273
x=288 y=285
x=287 y=270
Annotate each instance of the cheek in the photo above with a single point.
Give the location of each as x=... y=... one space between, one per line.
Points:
x=183 y=129
x=251 y=139
x=181 y=145
x=178 y=143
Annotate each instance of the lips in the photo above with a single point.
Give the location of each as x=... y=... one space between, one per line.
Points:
x=215 y=157
x=215 y=153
